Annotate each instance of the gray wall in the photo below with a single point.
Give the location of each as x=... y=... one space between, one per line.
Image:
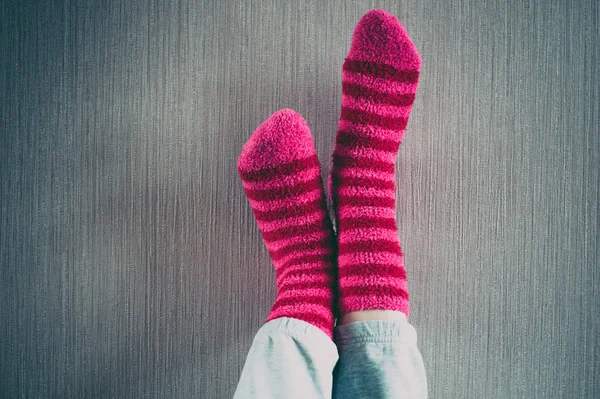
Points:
x=131 y=264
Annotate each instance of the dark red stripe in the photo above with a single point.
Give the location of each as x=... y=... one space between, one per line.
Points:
x=367 y=118
x=300 y=300
x=369 y=246
x=292 y=211
x=354 y=201
x=365 y=163
x=381 y=70
x=366 y=223
x=359 y=91
x=371 y=182
x=296 y=230
x=318 y=258
x=324 y=243
x=373 y=269
x=348 y=139
x=287 y=168
x=284 y=192
x=369 y=290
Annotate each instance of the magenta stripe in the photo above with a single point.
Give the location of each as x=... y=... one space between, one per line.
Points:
x=381 y=70
x=360 y=91
x=305 y=285
x=351 y=181
x=308 y=259
x=384 y=110
x=352 y=235
x=305 y=271
x=367 y=118
x=351 y=139
x=363 y=173
x=286 y=202
x=366 y=153
x=370 y=257
x=365 y=163
x=370 y=246
x=300 y=300
x=293 y=211
x=348 y=191
x=366 y=211
x=276 y=245
x=343 y=201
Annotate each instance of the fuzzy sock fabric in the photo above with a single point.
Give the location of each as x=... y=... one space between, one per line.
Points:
x=379 y=83
x=281 y=176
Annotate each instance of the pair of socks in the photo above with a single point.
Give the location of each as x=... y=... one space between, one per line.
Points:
x=320 y=273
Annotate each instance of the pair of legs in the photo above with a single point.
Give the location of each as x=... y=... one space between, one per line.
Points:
x=356 y=276
x=290 y=358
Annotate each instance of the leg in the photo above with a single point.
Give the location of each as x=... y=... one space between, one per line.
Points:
x=293 y=355
x=289 y=358
x=377 y=346
x=379 y=83
x=379 y=359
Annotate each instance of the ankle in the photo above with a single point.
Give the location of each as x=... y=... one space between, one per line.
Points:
x=375 y=314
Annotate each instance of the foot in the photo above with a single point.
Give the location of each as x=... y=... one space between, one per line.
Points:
x=282 y=180
x=379 y=83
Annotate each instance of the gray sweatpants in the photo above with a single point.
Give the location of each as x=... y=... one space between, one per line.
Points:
x=291 y=358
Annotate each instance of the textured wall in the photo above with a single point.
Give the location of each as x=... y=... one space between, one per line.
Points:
x=131 y=265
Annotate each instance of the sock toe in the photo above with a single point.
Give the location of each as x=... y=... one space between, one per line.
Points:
x=283 y=137
x=380 y=37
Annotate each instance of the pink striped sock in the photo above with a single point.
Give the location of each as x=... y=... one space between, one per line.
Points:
x=379 y=83
x=282 y=179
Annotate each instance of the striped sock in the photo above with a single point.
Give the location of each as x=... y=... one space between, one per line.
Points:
x=282 y=179
x=379 y=83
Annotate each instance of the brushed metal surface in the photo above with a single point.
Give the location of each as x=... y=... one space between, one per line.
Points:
x=131 y=264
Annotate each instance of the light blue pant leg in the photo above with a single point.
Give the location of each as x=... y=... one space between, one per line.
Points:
x=289 y=358
x=378 y=359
